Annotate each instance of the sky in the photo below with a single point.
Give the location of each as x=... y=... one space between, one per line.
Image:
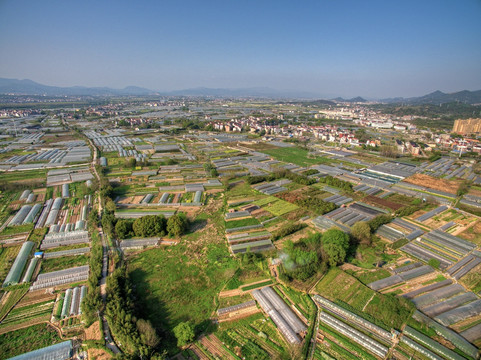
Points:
x=374 y=49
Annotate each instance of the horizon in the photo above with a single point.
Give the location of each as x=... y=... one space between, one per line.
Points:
x=344 y=49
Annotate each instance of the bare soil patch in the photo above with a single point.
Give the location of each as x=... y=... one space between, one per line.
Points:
x=449 y=186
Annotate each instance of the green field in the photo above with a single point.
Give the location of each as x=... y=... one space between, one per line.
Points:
x=180 y=283
x=28 y=339
x=240 y=223
x=63 y=262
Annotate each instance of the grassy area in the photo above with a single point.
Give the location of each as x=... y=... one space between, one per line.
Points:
x=7 y=257
x=255 y=286
x=63 y=262
x=296 y=156
x=13 y=230
x=240 y=223
x=367 y=277
x=27 y=339
x=180 y=283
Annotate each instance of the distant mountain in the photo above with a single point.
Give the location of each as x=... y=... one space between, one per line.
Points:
x=438 y=97
x=353 y=100
x=260 y=92
x=29 y=87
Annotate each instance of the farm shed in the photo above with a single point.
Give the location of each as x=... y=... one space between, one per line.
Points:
x=60 y=351
x=13 y=276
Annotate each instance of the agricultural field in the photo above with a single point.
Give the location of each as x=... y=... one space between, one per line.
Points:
x=345 y=290
x=27 y=339
x=295 y=155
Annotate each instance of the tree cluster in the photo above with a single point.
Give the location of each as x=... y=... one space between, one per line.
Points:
x=280 y=174
x=137 y=336
x=332 y=181
x=151 y=225
x=314 y=253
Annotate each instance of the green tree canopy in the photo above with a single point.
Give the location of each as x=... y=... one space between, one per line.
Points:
x=361 y=231
x=184 y=333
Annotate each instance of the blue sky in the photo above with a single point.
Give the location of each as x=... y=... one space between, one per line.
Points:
x=337 y=47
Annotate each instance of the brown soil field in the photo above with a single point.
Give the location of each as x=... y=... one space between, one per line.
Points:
x=374 y=200
x=99 y=354
x=35 y=297
x=449 y=186
x=472 y=233
x=137 y=199
x=93 y=332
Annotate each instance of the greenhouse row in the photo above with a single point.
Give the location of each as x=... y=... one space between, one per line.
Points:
x=437 y=295
x=248 y=236
x=464 y=266
x=13 y=276
x=453 y=337
x=271 y=188
x=431 y=344
x=72 y=300
x=20 y=215
x=71 y=252
x=401 y=277
x=61 y=277
x=421 y=349
x=63 y=350
x=25 y=194
x=449 y=304
x=237 y=214
x=65 y=191
x=286 y=321
x=407 y=267
x=260 y=245
x=349 y=316
x=422 y=253
x=32 y=265
x=427 y=288
x=237 y=307
x=354 y=335
x=460 y=313
x=138 y=243
x=473 y=333
x=56 y=228
x=338 y=200
x=243 y=228
x=431 y=213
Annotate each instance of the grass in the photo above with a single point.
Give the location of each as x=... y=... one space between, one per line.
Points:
x=296 y=156
x=28 y=339
x=280 y=207
x=13 y=230
x=7 y=257
x=240 y=223
x=175 y=285
x=258 y=285
x=13 y=297
x=63 y=262
x=367 y=277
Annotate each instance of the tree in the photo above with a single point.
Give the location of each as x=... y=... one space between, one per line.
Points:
x=123 y=228
x=147 y=333
x=389 y=151
x=434 y=263
x=184 y=333
x=176 y=225
x=335 y=253
x=361 y=231
x=335 y=244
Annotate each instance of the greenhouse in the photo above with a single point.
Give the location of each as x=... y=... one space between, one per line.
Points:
x=32 y=214
x=30 y=269
x=427 y=288
x=414 y=345
x=25 y=194
x=461 y=313
x=438 y=295
x=60 y=351
x=83 y=292
x=65 y=191
x=450 y=304
x=56 y=254
x=43 y=215
x=428 y=342
x=354 y=335
x=30 y=199
x=66 y=303
x=16 y=270
x=20 y=215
